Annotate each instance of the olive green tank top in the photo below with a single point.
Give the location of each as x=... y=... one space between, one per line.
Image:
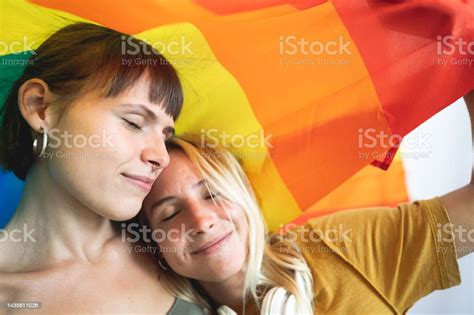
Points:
x=181 y=307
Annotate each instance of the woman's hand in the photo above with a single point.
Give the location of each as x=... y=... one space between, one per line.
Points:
x=460 y=203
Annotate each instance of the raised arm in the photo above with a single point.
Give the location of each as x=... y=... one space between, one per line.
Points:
x=460 y=203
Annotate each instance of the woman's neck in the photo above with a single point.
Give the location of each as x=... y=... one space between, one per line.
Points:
x=55 y=226
x=229 y=292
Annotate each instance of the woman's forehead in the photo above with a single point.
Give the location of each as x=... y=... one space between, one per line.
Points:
x=180 y=173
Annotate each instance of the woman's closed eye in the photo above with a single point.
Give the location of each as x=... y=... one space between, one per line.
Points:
x=212 y=195
x=135 y=125
x=170 y=216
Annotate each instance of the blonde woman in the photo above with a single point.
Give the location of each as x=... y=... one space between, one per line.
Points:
x=217 y=253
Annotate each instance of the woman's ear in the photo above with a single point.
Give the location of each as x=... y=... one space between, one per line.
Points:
x=34 y=97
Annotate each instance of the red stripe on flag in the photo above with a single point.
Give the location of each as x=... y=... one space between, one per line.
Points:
x=400 y=42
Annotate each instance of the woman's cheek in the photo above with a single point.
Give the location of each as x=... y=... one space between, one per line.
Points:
x=171 y=243
x=122 y=140
x=174 y=259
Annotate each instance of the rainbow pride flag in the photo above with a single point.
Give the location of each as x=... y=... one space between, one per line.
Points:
x=300 y=90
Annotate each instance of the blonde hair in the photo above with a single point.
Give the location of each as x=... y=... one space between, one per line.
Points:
x=276 y=269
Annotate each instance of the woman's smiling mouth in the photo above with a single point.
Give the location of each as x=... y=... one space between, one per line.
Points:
x=142 y=182
x=212 y=246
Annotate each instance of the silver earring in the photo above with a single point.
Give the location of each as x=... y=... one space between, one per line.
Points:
x=37 y=150
x=162 y=266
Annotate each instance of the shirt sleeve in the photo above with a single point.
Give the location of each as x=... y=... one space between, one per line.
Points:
x=406 y=252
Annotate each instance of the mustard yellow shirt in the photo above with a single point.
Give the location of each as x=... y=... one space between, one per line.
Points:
x=379 y=260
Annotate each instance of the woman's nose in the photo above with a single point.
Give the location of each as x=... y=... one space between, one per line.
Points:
x=203 y=218
x=156 y=154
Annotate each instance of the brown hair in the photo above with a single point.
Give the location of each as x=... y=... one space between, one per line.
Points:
x=78 y=58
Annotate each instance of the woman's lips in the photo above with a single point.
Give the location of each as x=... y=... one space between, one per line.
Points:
x=142 y=182
x=212 y=246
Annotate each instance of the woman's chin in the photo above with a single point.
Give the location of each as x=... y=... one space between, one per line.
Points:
x=218 y=273
x=125 y=212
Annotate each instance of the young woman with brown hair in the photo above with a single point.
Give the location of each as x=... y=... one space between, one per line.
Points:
x=85 y=127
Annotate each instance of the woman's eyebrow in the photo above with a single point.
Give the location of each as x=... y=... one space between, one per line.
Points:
x=158 y=203
x=199 y=183
x=142 y=109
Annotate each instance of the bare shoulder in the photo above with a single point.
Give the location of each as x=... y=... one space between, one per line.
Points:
x=10 y=288
x=115 y=270
x=6 y=290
